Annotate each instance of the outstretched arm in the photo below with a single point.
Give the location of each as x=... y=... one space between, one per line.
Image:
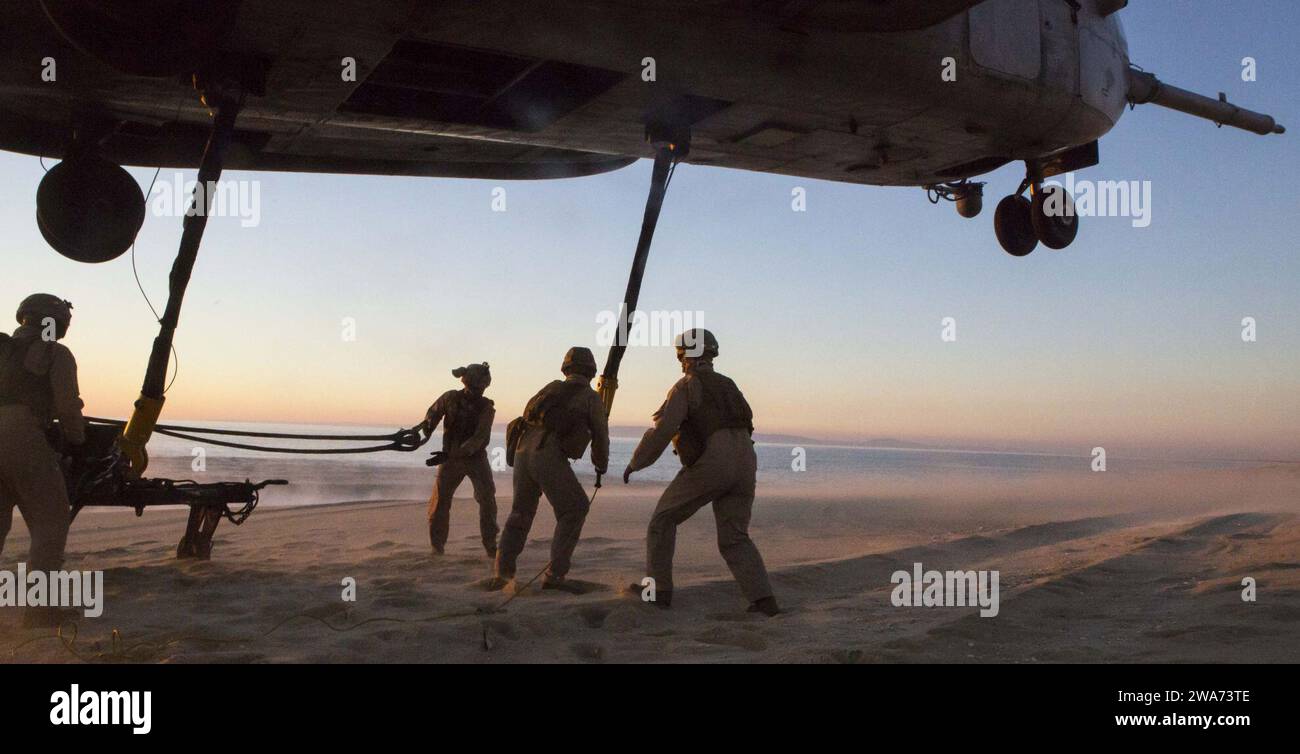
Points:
x=667 y=420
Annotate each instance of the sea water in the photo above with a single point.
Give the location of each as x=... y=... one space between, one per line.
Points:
x=840 y=466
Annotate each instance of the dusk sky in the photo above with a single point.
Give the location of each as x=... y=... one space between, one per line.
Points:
x=829 y=319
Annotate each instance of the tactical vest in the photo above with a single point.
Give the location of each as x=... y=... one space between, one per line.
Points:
x=18 y=386
x=551 y=412
x=723 y=407
x=461 y=419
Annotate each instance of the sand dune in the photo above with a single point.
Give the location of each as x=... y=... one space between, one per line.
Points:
x=1128 y=577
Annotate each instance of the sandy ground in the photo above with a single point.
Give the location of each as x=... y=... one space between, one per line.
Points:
x=1114 y=569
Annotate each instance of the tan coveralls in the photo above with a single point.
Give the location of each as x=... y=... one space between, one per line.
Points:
x=724 y=475
x=542 y=466
x=30 y=475
x=465 y=457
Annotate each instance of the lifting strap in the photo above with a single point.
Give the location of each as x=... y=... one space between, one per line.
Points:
x=666 y=157
x=136 y=433
x=403 y=440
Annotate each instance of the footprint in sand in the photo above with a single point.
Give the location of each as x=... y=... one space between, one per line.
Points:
x=399 y=560
x=586 y=587
x=397 y=601
x=399 y=583
x=586 y=651
x=850 y=657
x=737 y=617
x=594 y=616
x=504 y=629
x=729 y=636
x=625 y=619
x=482 y=584
x=903 y=647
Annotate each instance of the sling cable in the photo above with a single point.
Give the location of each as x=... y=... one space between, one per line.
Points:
x=671 y=147
x=108 y=470
x=224 y=101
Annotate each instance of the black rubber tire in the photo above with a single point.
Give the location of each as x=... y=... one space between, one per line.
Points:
x=1014 y=226
x=1054 y=231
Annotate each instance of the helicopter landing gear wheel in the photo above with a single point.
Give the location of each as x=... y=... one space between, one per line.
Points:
x=1014 y=225
x=1054 y=220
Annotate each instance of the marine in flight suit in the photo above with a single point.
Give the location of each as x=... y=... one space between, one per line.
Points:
x=707 y=418
x=542 y=466
x=38 y=385
x=466 y=416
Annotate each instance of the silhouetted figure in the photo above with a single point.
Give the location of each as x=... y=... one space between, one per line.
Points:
x=560 y=421
x=466 y=418
x=710 y=424
x=38 y=387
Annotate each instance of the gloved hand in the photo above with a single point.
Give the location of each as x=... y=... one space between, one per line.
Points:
x=411 y=437
x=602 y=471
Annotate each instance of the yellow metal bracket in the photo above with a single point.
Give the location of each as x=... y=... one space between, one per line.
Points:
x=135 y=436
x=606 y=387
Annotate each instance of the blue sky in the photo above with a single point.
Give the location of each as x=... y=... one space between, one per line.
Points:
x=829 y=319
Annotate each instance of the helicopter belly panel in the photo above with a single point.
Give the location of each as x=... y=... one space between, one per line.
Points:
x=1103 y=71
x=1004 y=37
